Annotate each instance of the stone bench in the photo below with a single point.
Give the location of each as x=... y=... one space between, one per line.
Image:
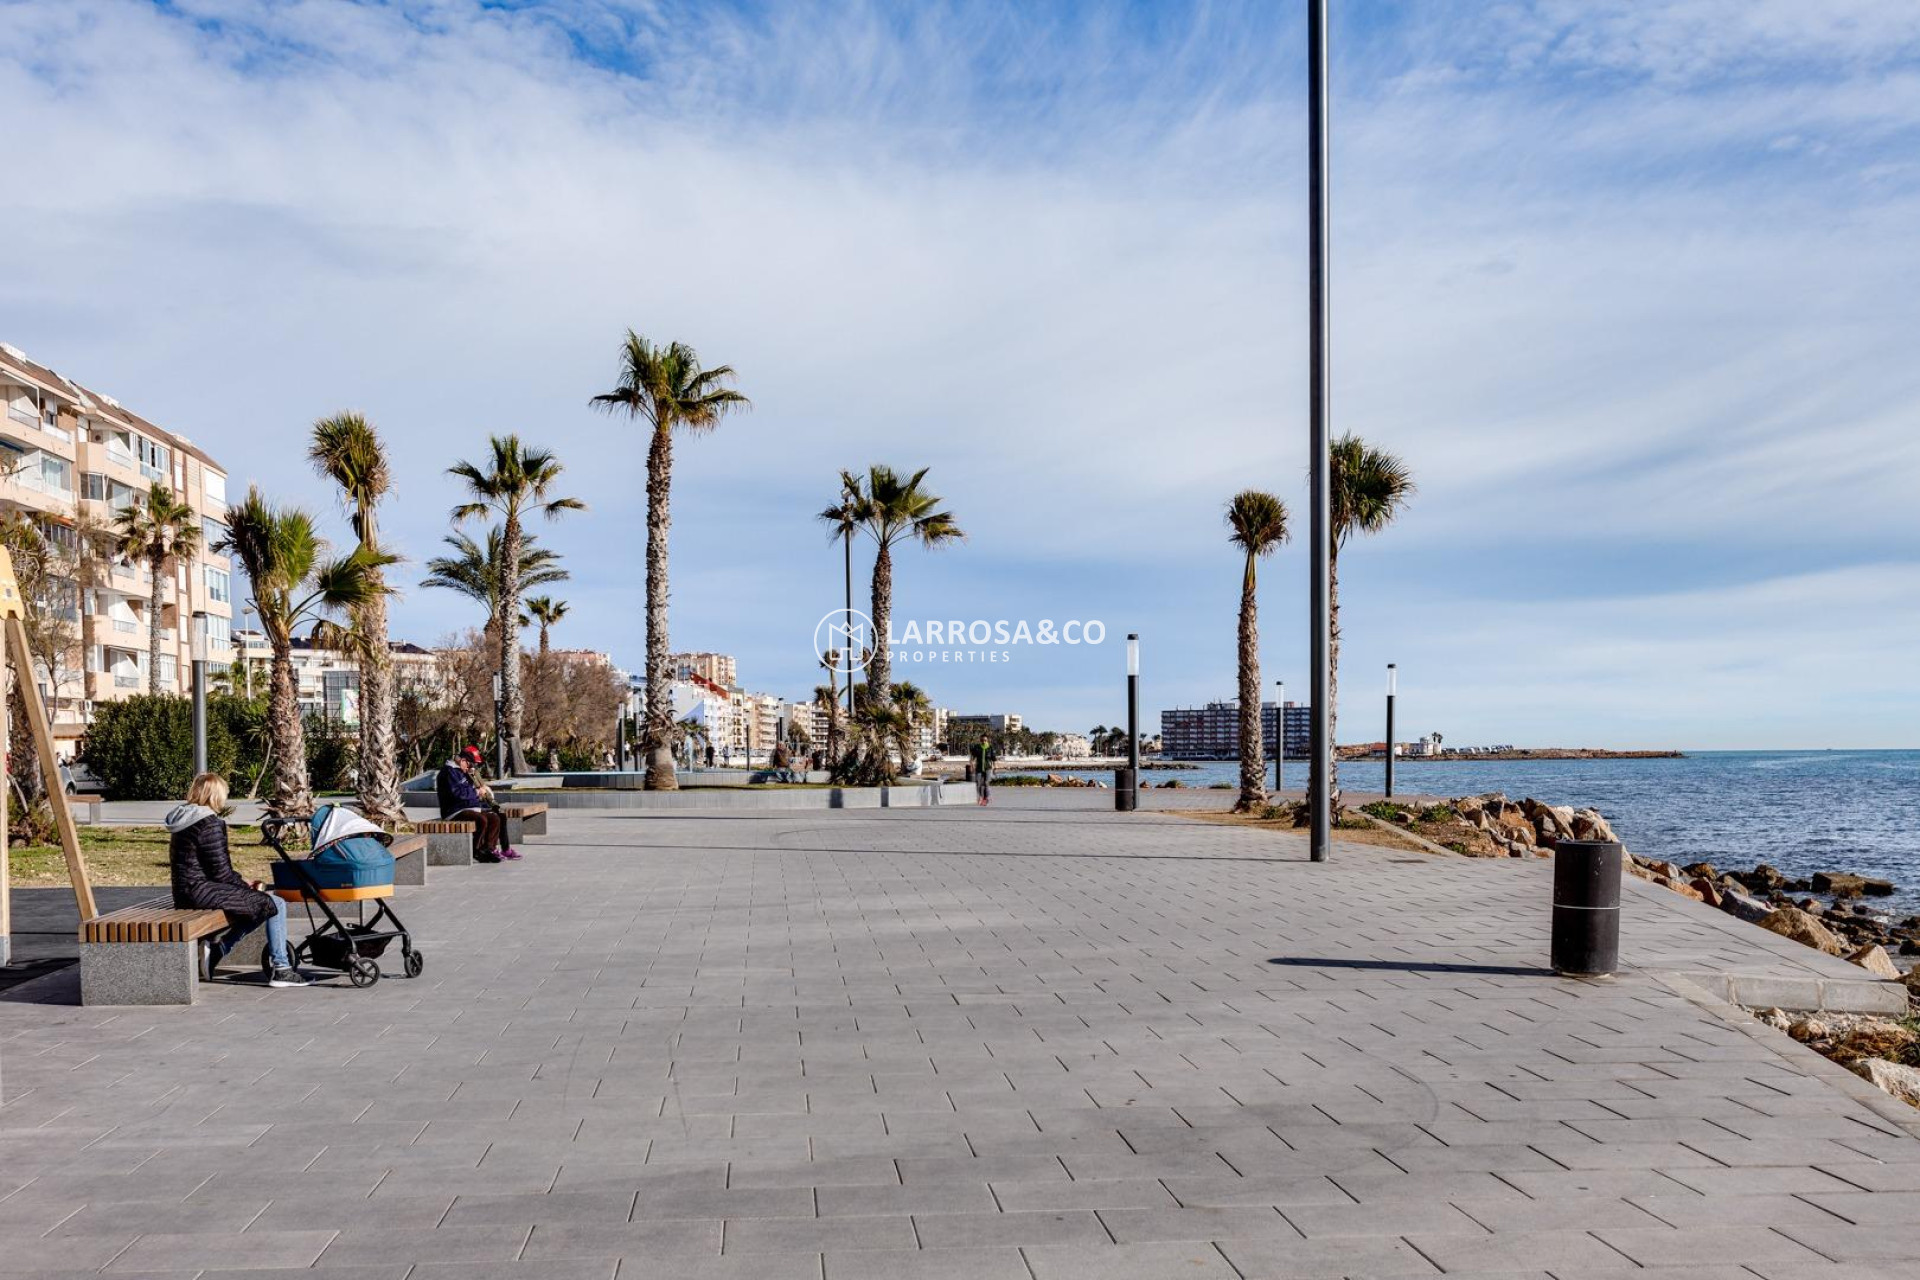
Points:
x=91 y=804
x=529 y=819
x=409 y=859
x=148 y=953
x=449 y=841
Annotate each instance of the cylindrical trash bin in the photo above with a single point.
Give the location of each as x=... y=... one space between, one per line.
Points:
x=1586 y=907
x=1124 y=797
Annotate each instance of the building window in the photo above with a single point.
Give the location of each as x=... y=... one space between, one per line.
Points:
x=214 y=485
x=212 y=532
x=219 y=632
x=166 y=668
x=93 y=486
x=154 y=458
x=219 y=585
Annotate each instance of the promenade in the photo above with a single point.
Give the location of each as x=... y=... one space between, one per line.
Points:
x=1033 y=1042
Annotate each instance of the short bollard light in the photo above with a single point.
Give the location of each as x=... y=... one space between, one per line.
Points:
x=1586 y=907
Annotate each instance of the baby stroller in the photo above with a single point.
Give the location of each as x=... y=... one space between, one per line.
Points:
x=349 y=862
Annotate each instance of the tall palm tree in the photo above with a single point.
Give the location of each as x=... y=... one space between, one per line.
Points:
x=348 y=451
x=1257 y=524
x=1367 y=488
x=665 y=386
x=281 y=553
x=546 y=611
x=516 y=483
x=843 y=518
x=474 y=571
x=893 y=511
x=830 y=661
x=158 y=530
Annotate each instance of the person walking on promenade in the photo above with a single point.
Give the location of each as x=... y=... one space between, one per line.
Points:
x=983 y=756
x=203 y=877
x=462 y=798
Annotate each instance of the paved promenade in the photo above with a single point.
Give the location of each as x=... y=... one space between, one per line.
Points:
x=1015 y=1044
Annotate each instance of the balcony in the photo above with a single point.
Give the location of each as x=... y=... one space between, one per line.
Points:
x=122 y=625
x=126 y=682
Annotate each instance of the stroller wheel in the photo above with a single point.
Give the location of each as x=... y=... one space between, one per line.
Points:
x=416 y=961
x=363 y=972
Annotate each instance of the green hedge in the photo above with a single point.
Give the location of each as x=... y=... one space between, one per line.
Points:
x=142 y=748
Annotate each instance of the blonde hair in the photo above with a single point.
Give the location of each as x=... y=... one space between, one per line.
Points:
x=209 y=789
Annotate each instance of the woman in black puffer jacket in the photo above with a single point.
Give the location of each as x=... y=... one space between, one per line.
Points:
x=203 y=877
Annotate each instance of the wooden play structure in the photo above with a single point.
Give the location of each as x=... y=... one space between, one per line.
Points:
x=13 y=630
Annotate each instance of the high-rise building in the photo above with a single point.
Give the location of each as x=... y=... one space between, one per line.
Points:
x=1212 y=732
x=70 y=457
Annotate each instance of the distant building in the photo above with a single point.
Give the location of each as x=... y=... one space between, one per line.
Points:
x=328 y=680
x=1212 y=732
x=716 y=667
x=1003 y=723
x=1072 y=746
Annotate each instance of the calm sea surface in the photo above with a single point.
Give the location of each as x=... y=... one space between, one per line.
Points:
x=1802 y=811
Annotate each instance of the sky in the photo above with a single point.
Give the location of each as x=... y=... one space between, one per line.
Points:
x=1632 y=286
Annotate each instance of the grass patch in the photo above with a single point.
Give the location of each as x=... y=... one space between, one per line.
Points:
x=128 y=856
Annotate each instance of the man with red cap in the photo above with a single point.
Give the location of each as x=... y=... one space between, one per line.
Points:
x=464 y=799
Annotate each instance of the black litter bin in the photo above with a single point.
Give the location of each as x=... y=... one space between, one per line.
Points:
x=1586 y=907
x=1124 y=784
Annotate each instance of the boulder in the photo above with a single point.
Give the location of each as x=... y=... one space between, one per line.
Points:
x=1809 y=1029
x=1840 y=884
x=1587 y=824
x=1877 y=962
x=1764 y=878
x=1877 y=888
x=1745 y=906
x=1791 y=922
x=1705 y=870
x=1666 y=869
x=1708 y=891
x=1900 y=1081
x=1912 y=981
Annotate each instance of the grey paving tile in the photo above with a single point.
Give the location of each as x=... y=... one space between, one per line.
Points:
x=931 y=1264
x=1158 y=1261
x=1325 y=1259
x=933 y=1197
x=1104 y=1193
x=822 y=1235
x=90 y=1253
x=1705 y=1246
x=1553 y=1251
x=357 y=1246
x=1856 y=1244
x=1013 y=1228
x=557 y=1206
x=1135 y=1226
x=161 y=1251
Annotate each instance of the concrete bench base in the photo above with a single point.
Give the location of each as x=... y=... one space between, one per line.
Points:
x=524 y=820
x=449 y=844
x=138 y=972
x=410 y=865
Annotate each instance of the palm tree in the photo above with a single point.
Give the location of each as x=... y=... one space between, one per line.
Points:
x=916 y=710
x=893 y=510
x=348 y=451
x=474 y=571
x=666 y=386
x=1367 y=488
x=1257 y=524
x=281 y=551
x=546 y=611
x=515 y=484
x=830 y=661
x=158 y=530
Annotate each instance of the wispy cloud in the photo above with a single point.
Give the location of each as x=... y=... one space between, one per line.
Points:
x=1630 y=285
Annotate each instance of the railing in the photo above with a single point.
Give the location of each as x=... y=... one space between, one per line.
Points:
x=126 y=682
x=29 y=416
x=121 y=624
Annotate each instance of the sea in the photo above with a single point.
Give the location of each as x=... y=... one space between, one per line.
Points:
x=1802 y=811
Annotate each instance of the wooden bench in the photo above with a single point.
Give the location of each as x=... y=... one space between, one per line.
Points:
x=524 y=820
x=449 y=841
x=91 y=804
x=409 y=859
x=147 y=953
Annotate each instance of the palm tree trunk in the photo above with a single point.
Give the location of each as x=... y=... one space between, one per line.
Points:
x=379 y=764
x=1253 y=768
x=157 y=563
x=544 y=647
x=880 y=669
x=1333 y=674
x=659 y=727
x=291 y=793
x=510 y=642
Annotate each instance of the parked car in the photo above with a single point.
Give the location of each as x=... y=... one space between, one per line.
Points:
x=76 y=778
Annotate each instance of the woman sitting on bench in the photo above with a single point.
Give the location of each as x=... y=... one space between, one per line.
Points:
x=461 y=798
x=204 y=878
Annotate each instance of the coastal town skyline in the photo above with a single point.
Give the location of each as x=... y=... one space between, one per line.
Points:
x=1645 y=525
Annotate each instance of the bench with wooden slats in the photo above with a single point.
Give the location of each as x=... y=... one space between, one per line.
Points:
x=444 y=827
x=525 y=819
x=157 y=920
x=449 y=841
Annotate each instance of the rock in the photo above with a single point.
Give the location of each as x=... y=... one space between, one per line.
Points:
x=1776 y=1018
x=1877 y=888
x=1708 y=891
x=1666 y=869
x=1703 y=870
x=1748 y=908
x=1838 y=883
x=1902 y=1082
x=1809 y=1029
x=1912 y=981
x=1587 y=824
x=1790 y=922
x=1877 y=962
x=1764 y=878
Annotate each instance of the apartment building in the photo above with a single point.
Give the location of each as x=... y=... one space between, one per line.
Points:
x=328 y=680
x=719 y=668
x=70 y=454
x=1212 y=732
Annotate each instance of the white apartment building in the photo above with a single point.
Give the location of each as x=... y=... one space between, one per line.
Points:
x=1073 y=746
x=328 y=680
x=716 y=667
x=70 y=454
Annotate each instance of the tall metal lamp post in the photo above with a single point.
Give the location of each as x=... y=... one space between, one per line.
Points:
x=1280 y=738
x=1320 y=784
x=499 y=727
x=199 y=642
x=1126 y=791
x=1393 y=673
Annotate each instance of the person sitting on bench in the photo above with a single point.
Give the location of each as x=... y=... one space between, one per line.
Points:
x=204 y=878
x=463 y=799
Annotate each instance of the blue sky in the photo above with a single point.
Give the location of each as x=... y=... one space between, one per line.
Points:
x=1632 y=287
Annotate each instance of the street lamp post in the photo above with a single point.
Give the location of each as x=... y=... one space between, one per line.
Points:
x=1320 y=782
x=1393 y=673
x=199 y=641
x=499 y=727
x=1280 y=739
x=246 y=659
x=1126 y=792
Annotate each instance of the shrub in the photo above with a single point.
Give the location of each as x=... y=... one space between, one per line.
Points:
x=1385 y=810
x=331 y=755
x=142 y=747
x=1442 y=812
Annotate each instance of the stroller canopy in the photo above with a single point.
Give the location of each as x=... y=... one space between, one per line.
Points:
x=334 y=822
x=348 y=852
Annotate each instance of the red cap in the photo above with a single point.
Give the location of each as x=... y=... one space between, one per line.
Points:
x=471 y=753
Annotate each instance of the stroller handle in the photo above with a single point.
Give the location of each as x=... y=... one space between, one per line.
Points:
x=273 y=830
